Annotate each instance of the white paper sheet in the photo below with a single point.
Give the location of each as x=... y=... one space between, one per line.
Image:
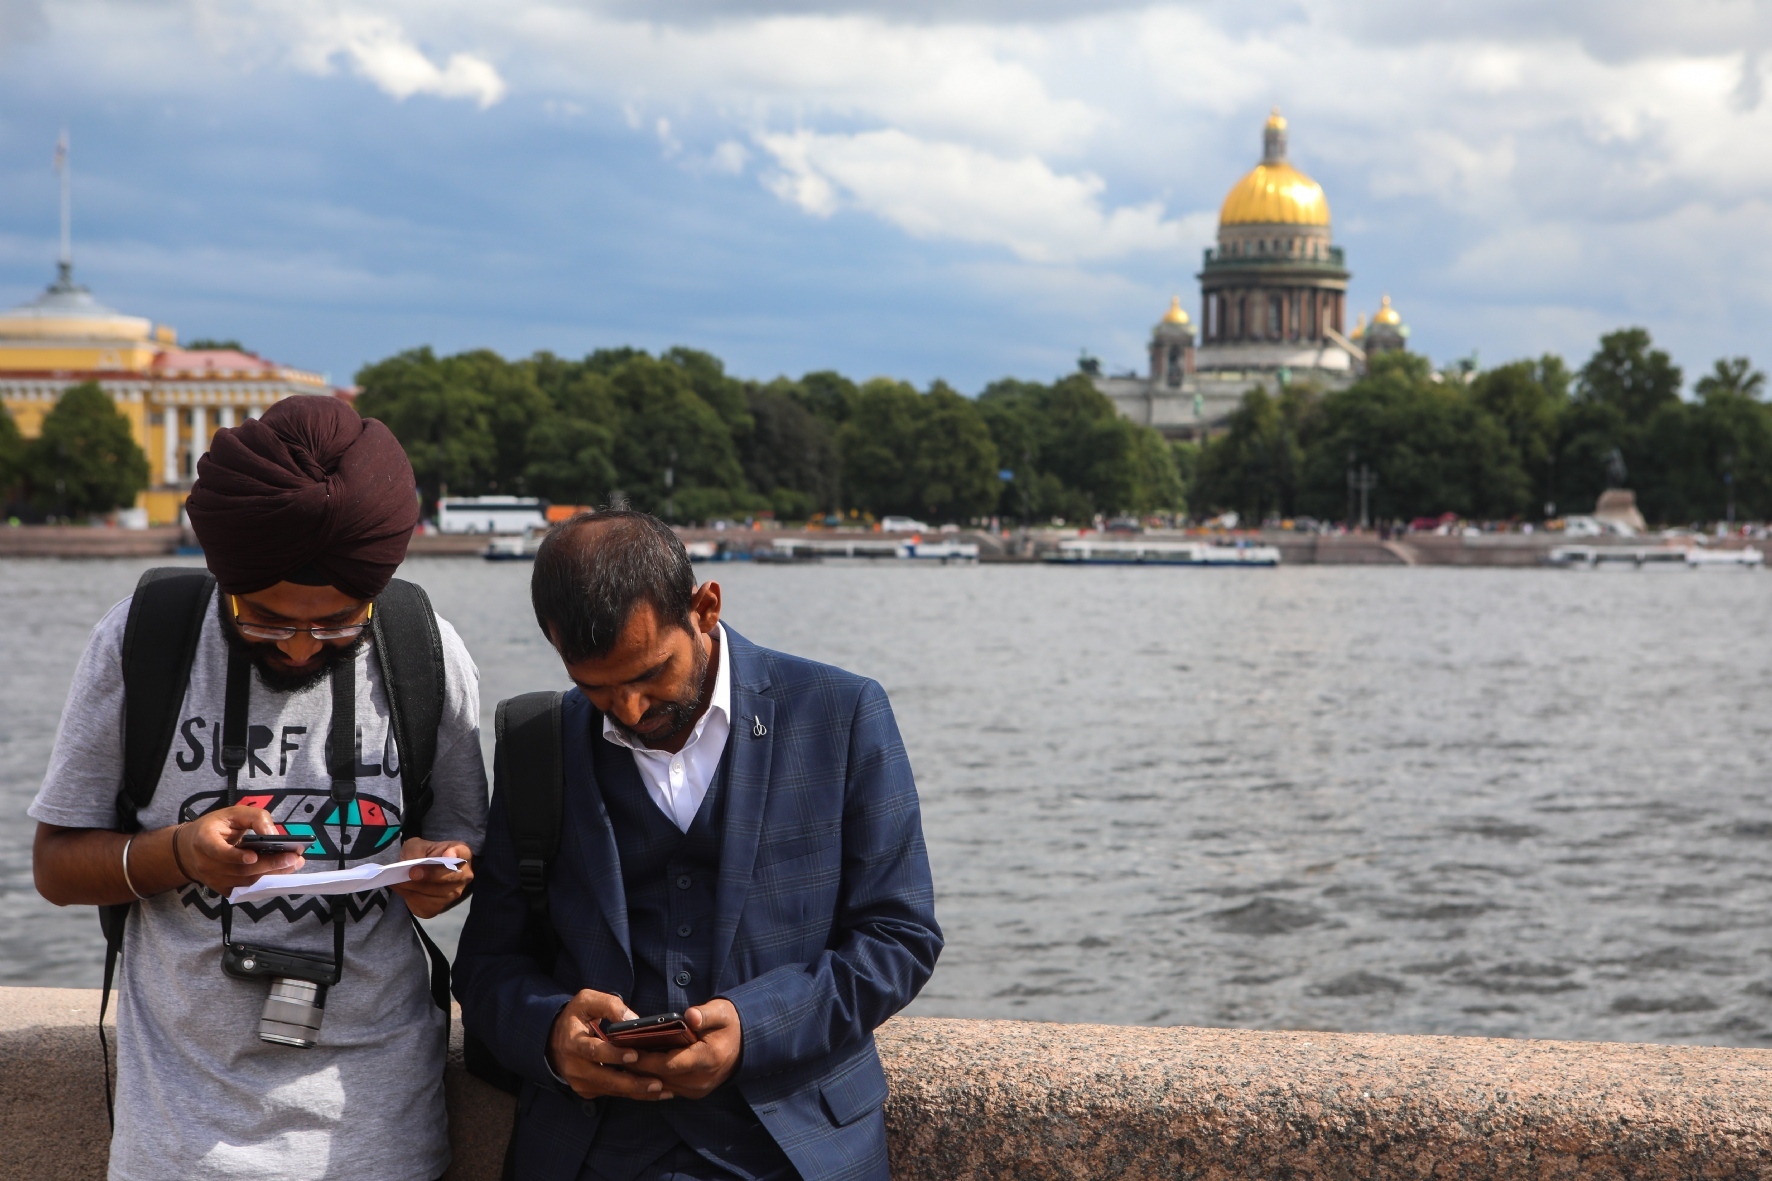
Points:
x=356 y=880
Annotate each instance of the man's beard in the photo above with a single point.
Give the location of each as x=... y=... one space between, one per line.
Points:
x=283 y=681
x=680 y=714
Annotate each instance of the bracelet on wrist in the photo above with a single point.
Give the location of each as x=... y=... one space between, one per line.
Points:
x=126 y=880
x=176 y=859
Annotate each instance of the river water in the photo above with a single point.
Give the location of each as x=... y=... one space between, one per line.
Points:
x=1517 y=803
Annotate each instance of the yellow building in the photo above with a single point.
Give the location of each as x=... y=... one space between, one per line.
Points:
x=175 y=399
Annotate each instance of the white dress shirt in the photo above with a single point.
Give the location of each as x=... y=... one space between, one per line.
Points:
x=679 y=782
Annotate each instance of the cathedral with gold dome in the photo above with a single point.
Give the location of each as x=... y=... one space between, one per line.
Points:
x=1273 y=308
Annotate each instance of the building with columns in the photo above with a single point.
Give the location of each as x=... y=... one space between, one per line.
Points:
x=175 y=399
x=1273 y=307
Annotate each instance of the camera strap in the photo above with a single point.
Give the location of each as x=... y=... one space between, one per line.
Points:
x=342 y=768
x=236 y=701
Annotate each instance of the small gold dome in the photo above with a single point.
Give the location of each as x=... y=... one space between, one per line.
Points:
x=1387 y=314
x=1276 y=121
x=1359 y=328
x=1175 y=314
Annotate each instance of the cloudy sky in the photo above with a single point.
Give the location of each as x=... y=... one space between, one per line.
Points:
x=963 y=189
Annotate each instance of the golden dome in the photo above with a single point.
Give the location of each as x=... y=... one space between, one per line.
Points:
x=1387 y=314
x=1275 y=193
x=1175 y=314
x=1359 y=328
x=1276 y=121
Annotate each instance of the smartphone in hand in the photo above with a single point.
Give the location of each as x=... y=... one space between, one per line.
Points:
x=276 y=842
x=661 y=1031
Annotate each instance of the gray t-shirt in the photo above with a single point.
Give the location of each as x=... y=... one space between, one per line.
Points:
x=199 y=1096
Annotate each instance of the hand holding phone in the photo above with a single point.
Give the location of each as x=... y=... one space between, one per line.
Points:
x=661 y=1031
x=275 y=842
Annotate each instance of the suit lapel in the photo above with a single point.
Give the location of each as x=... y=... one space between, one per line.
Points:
x=752 y=742
x=599 y=841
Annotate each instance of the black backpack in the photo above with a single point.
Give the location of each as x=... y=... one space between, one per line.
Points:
x=530 y=777
x=159 y=645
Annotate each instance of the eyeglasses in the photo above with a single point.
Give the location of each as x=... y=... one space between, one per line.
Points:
x=265 y=631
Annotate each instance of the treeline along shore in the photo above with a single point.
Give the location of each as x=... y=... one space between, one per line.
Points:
x=677 y=435
x=1520 y=441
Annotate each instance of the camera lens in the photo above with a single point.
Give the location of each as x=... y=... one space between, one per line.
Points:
x=292 y=1013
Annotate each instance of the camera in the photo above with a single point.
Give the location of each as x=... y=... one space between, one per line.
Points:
x=297 y=999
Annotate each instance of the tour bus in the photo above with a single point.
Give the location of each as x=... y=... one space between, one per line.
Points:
x=490 y=514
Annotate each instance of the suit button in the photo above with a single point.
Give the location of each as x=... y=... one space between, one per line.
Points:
x=682 y=980
x=684 y=929
x=683 y=882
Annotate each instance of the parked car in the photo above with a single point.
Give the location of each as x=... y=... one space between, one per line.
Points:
x=902 y=525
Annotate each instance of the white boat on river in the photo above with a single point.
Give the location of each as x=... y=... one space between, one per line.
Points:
x=914 y=549
x=1102 y=551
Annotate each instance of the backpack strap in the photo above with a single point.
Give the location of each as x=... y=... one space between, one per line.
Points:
x=159 y=645
x=529 y=775
x=410 y=650
x=527 y=768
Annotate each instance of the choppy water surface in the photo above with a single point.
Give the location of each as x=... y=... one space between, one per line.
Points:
x=1520 y=803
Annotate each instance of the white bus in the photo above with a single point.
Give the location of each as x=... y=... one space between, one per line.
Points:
x=490 y=514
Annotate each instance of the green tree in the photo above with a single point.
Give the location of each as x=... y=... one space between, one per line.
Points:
x=12 y=454
x=1528 y=399
x=1735 y=375
x=1073 y=455
x=918 y=454
x=85 y=460
x=790 y=453
x=1432 y=447
x=956 y=462
x=1255 y=467
x=675 y=454
x=441 y=417
x=571 y=461
x=1716 y=454
x=877 y=446
x=1626 y=400
x=1630 y=375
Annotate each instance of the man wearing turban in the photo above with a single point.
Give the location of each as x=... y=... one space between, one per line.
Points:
x=304 y=515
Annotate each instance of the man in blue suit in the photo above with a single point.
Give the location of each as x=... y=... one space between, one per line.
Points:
x=742 y=844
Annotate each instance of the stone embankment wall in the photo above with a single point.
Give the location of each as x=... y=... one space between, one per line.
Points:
x=990 y=1100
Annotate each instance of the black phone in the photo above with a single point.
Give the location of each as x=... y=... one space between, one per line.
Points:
x=661 y=1031
x=276 y=842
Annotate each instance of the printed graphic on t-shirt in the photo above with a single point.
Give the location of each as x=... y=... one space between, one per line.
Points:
x=360 y=828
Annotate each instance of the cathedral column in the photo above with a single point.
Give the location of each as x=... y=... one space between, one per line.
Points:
x=224 y=418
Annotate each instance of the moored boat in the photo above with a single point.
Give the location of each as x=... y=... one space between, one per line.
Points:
x=1094 y=551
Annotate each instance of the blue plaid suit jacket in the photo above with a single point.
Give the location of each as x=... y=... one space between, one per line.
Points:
x=824 y=920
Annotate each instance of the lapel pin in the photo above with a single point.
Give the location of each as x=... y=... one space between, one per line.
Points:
x=757 y=727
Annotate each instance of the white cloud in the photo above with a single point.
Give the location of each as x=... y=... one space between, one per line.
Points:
x=948 y=190
x=980 y=84
x=379 y=50
x=1566 y=155
x=729 y=157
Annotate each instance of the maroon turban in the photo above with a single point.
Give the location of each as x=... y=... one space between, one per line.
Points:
x=309 y=490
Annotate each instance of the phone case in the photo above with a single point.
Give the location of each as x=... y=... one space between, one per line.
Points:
x=672 y=1036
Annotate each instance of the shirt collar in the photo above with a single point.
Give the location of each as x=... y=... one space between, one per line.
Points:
x=720 y=701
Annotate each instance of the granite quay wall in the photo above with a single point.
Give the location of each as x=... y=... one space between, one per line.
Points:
x=85 y=541
x=990 y=1100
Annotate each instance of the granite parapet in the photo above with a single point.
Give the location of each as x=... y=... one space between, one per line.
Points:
x=982 y=1100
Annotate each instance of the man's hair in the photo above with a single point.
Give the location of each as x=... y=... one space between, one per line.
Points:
x=594 y=568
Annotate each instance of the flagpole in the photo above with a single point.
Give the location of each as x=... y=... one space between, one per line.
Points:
x=62 y=166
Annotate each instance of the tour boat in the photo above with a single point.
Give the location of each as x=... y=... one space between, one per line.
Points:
x=1101 y=551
